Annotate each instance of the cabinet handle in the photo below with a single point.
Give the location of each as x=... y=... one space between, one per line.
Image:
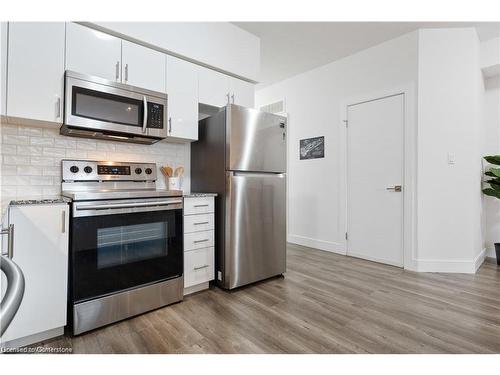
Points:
x=117 y=70
x=58 y=107
x=10 y=240
x=203 y=222
x=201 y=205
x=170 y=125
x=232 y=97
x=63 y=221
x=199 y=241
x=126 y=72
x=200 y=268
x=228 y=101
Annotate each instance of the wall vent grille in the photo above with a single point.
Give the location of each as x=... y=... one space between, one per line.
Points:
x=277 y=107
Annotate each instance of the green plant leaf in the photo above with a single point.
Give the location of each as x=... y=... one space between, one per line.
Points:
x=492 y=192
x=493 y=159
x=493 y=172
x=494 y=186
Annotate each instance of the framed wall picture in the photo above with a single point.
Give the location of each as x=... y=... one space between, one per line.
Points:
x=312 y=148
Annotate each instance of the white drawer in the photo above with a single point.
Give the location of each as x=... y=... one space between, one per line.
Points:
x=198 y=223
x=198 y=240
x=198 y=266
x=202 y=205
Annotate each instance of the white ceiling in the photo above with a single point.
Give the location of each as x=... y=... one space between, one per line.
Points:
x=290 y=48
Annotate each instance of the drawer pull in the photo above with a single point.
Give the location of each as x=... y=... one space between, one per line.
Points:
x=200 y=268
x=201 y=205
x=198 y=241
x=203 y=222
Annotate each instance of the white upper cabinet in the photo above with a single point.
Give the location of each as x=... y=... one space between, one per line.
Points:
x=35 y=70
x=213 y=87
x=3 y=68
x=242 y=92
x=92 y=52
x=182 y=90
x=143 y=67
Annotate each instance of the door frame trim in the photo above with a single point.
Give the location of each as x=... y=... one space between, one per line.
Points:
x=410 y=160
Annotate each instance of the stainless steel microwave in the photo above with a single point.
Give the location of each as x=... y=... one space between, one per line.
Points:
x=98 y=108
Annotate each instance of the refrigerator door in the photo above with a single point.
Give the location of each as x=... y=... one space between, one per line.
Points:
x=255 y=227
x=255 y=140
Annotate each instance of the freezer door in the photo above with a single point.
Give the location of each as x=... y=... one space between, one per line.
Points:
x=255 y=227
x=255 y=140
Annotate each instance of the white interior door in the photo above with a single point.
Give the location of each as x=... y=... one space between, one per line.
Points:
x=374 y=172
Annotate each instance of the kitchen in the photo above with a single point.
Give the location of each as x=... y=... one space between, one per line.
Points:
x=134 y=239
x=178 y=188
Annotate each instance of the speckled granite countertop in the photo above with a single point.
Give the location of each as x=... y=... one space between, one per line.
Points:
x=199 y=195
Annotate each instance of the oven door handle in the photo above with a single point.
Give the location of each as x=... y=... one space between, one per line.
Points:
x=145 y=116
x=125 y=205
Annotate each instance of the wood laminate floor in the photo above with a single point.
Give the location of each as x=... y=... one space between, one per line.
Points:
x=326 y=303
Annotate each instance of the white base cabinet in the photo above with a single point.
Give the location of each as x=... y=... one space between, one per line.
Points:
x=41 y=251
x=199 y=256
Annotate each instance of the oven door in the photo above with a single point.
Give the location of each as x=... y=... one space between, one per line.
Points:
x=92 y=103
x=112 y=252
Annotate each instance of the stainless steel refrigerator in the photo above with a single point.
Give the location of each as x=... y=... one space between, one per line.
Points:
x=241 y=155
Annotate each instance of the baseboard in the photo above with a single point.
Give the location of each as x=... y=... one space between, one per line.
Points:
x=333 y=247
x=196 y=288
x=33 y=339
x=451 y=266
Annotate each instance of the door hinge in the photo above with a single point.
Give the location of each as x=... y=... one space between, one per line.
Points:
x=346 y=235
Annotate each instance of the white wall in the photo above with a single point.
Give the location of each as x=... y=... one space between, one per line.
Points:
x=444 y=65
x=221 y=45
x=31 y=159
x=313 y=101
x=492 y=147
x=449 y=122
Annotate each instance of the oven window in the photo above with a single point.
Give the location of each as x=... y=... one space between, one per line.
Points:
x=131 y=243
x=112 y=253
x=106 y=107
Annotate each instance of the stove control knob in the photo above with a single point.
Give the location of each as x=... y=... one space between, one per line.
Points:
x=74 y=169
x=149 y=171
x=87 y=169
x=138 y=170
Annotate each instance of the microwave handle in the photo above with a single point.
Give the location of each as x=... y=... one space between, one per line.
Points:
x=145 y=117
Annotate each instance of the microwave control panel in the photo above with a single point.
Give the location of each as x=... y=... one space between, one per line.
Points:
x=155 y=116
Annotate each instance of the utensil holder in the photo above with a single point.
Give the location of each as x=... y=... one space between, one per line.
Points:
x=173 y=183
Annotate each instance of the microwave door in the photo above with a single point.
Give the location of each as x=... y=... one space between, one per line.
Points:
x=98 y=107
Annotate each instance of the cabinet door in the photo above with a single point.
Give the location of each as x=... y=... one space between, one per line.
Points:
x=92 y=52
x=35 y=70
x=41 y=251
x=182 y=89
x=3 y=68
x=213 y=87
x=242 y=92
x=143 y=67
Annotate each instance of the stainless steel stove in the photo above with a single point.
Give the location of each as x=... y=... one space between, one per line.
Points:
x=126 y=241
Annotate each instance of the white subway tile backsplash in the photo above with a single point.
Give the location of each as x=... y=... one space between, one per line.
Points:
x=9 y=149
x=9 y=129
x=33 y=132
x=31 y=159
x=56 y=152
x=86 y=145
x=8 y=170
x=42 y=161
x=65 y=142
x=42 y=141
x=27 y=170
x=15 y=159
x=15 y=139
x=29 y=150
x=51 y=171
x=40 y=180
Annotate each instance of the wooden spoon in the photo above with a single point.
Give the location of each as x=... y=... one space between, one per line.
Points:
x=179 y=171
x=167 y=171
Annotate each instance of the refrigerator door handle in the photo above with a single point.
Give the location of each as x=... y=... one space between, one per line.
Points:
x=257 y=174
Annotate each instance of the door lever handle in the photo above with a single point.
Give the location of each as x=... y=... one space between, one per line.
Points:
x=396 y=188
